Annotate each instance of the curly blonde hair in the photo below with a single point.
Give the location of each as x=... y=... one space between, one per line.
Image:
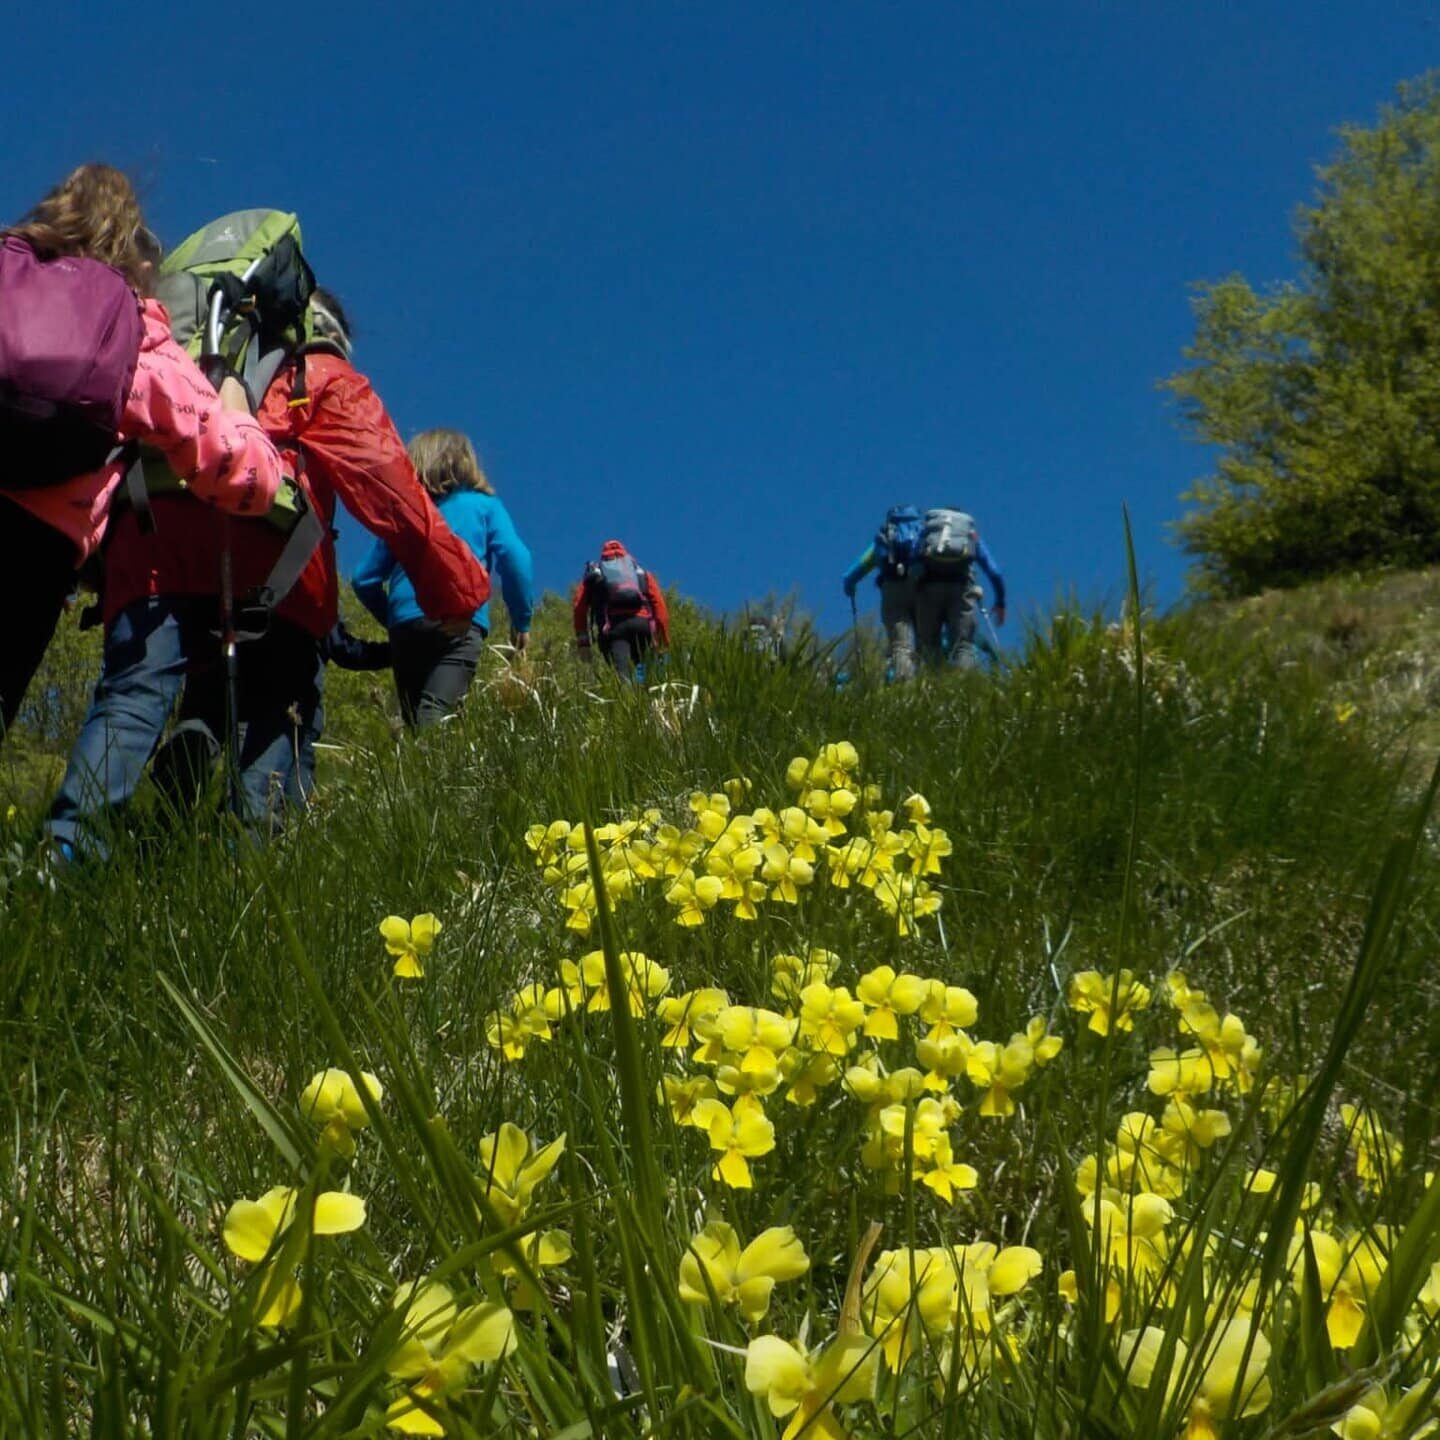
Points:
x=93 y=212
x=445 y=460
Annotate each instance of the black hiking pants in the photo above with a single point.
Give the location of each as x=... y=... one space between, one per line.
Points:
x=625 y=643
x=37 y=572
x=433 y=670
x=279 y=692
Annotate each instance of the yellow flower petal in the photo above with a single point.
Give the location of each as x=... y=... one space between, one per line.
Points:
x=249 y=1230
x=408 y=1418
x=423 y=930
x=397 y=934
x=775 y=1252
x=482 y=1333
x=733 y=1170
x=777 y=1371
x=1014 y=1268
x=337 y=1213
x=279 y=1301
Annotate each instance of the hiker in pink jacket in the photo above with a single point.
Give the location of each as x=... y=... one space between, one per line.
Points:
x=211 y=440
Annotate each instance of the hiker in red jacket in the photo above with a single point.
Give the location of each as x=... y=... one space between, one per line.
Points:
x=625 y=607
x=350 y=451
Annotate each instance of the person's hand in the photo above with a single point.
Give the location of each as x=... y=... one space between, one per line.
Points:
x=233 y=396
x=587 y=652
x=999 y=613
x=849 y=587
x=456 y=629
x=520 y=639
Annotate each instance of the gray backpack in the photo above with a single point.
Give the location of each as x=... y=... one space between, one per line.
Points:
x=947 y=544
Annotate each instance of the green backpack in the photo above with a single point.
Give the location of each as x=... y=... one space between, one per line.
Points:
x=238 y=293
x=240 y=289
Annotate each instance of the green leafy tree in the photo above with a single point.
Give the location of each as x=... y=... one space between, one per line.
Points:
x=1323 y=396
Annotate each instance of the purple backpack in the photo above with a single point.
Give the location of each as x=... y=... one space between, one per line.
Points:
x=70 y=333
x=620 y=584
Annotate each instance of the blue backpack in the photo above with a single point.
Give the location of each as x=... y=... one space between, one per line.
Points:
x=898 y=541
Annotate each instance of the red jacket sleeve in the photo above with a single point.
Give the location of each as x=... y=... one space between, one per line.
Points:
x=580 y=607
x=351 y=437
x=656 y=597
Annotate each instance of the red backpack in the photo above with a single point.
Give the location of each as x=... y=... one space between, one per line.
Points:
x=70 y=333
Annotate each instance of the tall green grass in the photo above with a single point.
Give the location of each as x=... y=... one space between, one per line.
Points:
x=161 y=1015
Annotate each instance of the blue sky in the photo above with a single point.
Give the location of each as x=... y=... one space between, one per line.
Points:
x=724 y=280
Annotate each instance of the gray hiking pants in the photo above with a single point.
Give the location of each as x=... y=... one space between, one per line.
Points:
x=897 y=615
x=945 y=617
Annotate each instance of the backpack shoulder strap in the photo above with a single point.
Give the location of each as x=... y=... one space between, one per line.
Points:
x=295 y=556
x=136 y=491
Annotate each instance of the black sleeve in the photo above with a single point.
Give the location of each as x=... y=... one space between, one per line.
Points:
x=350 y=652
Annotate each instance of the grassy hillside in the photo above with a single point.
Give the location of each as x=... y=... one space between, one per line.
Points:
x=1196 y=808
x=1372 y=642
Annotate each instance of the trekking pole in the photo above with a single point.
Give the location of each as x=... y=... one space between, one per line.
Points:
x=229 y=643
x=994 y=638
x=855 y=640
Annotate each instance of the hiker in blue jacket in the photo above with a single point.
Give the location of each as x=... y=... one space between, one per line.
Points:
x=928 y=591
x=434 y=667
x=895 y=553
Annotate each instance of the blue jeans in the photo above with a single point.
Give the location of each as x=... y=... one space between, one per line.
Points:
x=152 y=649
x=148 y=649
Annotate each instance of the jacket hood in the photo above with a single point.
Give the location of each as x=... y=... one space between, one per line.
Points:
x=157 y=324
x=612 y=550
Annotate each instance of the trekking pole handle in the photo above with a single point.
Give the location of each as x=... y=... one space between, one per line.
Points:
x=213 y=326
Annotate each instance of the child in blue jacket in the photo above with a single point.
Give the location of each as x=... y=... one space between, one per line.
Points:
x=434 y=664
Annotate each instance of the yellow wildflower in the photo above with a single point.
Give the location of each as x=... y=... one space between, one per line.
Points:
x=1378 y=1153
x=548 y=841
x=682 y=1012
x=786 y=874
x=948 y=1008
x=693 y=896
x=886 y=996
x=945 y=1058
x=1221 y=1388
x=440 y=1345
x=510 y=1170
x=1110 y=1000
x=999 y=1072
x=806 y=1075
x=830 y=807
x=801 y=835
x=333 y=1100
x=712 y=813
x=927 y=847
x=252 y=1229
x=715 y=1264
x=682 y=1095
x=829 y=1018
x=738 y=1134
x=251 y=1226
x=410 y=941
x=1380 y=1415
x=1349 y=1273
x=906 y=899
x=804 y=1387
x=791 y=974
